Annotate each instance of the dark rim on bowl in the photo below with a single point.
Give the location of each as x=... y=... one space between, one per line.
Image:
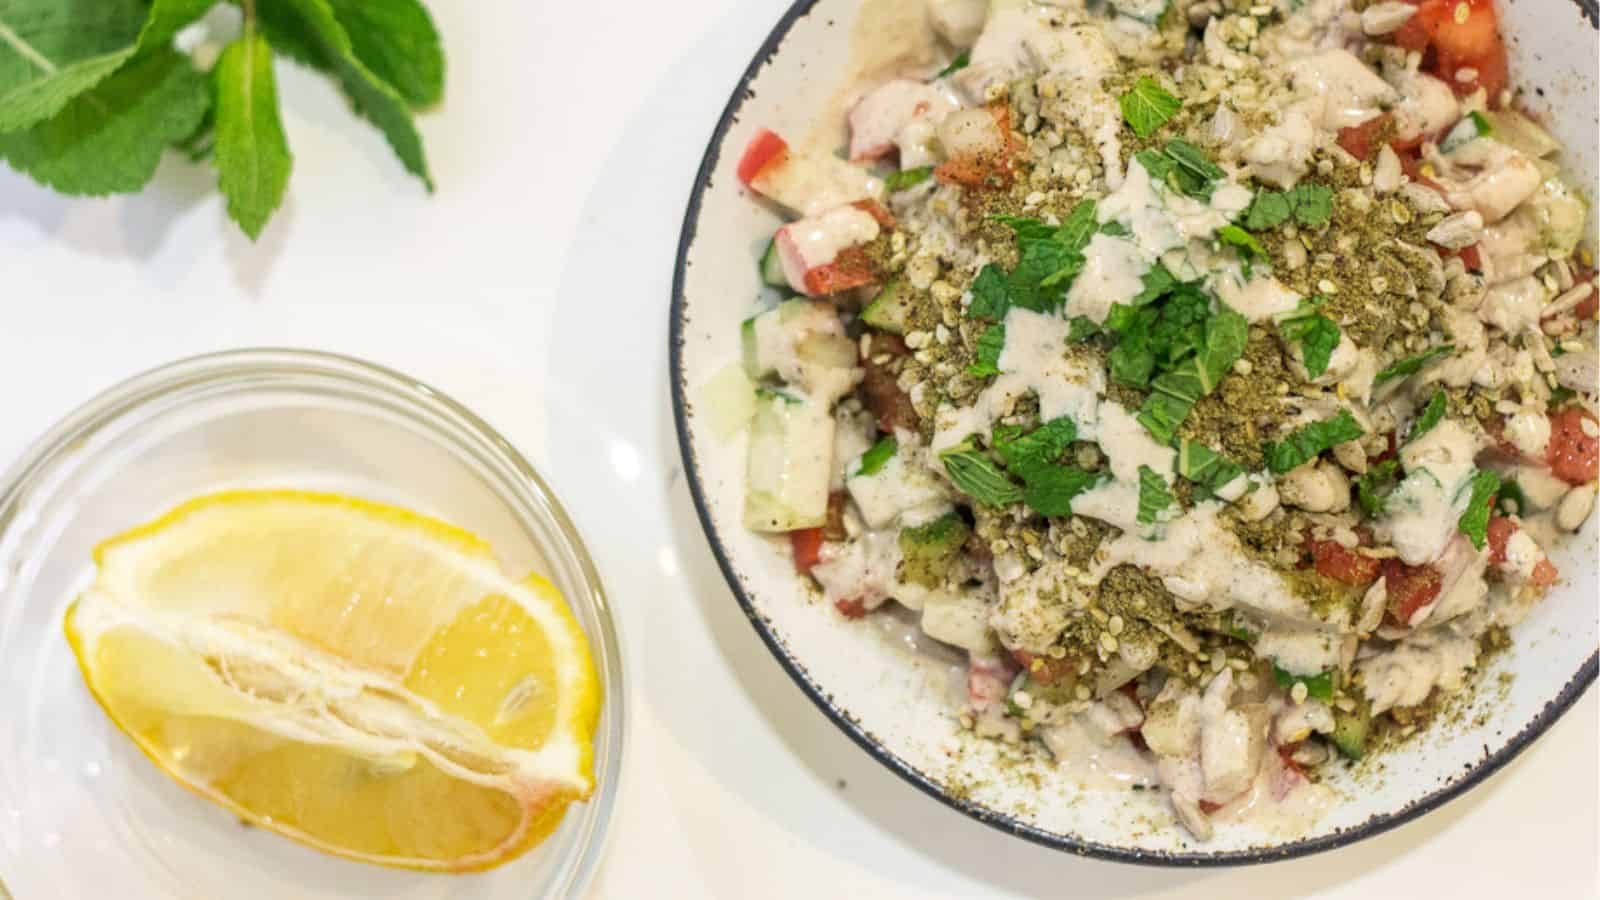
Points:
x=1377 y=824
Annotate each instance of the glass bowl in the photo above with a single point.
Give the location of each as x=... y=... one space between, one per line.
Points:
x=82 y=812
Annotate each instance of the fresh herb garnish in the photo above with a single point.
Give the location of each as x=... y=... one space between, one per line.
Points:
x=1154 y=497
x=1205 y=466
x=1148 y=106
x=98 y=92
x=1411 y=365
x=1040 y=447
x=1319 y=686
x=1474 y=523
x=1432 y=414
x=990 y=345
x=1308 y=441
x=989 y=299
x=1374 y=486
x=1049 y=489
x=1080 y=329
x=1317 y=334
x=1175 y=392
x=962 y=60
x=1308 y=203
x=1559 y=395
x=1234 y=236
x=906 y=178
x=975 y=475
x=1511 y=500
x=878 y=455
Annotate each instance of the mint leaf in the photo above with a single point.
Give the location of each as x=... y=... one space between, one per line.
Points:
x=1374 y=486
x=1432 y=414
x=1158 y=281
x=1234 y=236
x=1040 y=447
x=1411 y=365
x=109 y=139
x=1319 y=686
x=1049 y=490
x=1317 y=334
x=878 y=455
x=1154 y=497
x=1205 y=466
x=1176 y=392
x=1312 y=203
x=396 y=40
x=990 y=345
x=1080 y=329
x=1268 y=209
x=976 y=476
x=1079 y=227
x=1183 y=167
x=989 y=300
x=313 y=23
x=962 y=60
x=1474 y=523
x=1026 y=287
x=1510 y=500
x=1308 y=441
x=53 y=50
x=1027 y=230
x=253 y=157
x=1148 y=106
x=906 y=178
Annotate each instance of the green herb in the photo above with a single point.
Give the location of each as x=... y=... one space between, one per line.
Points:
x=1474 y=523
x=1175 y=392
x=989 y=299
x=1005 y=434
x=1307 y=203
x=1411 y=365
x=1079 y=226
x=1158 y=281
x=1040 y=447
x=1317 y=335
x=1374 y=486
x=1027 y=230
x=1432 y=414
x=1319 y=686
x=1511 y=500
x=1560 y=394
x=962 y=60
x=92 y=92
x=1049 y=489
x=976 y=476
x=1308 y=441
x=1234 y=236
x=1236 y=630
x=1205 y=466
x=878 y=455
x=1154 y=497
x=1148 y=106
x=907 y=178
x=1080 y=329
x=990 y=345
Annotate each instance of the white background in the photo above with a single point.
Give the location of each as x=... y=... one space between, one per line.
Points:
x=533 y=286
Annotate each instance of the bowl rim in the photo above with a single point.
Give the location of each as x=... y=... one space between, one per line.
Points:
x=677 y=376
x=441 y=414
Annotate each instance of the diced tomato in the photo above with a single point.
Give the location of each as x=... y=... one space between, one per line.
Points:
x=851 y=607
x=880 y=387
x=1591 y=304
x=1411 y=164
x=1286 y=754
x=991 y=170
x=1456 y=35
x=1049 y=670
x=1410 y=589
x=1333 y=560
x=1362 y=141
x=763 y=150
x=1501 y=528
x=850 y=269
x=876 y=210
x=1471 y=257
x=1574 y=453
x=1208 y=807
x=807 y=546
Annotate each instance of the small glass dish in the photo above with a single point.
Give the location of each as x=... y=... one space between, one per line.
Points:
x=82 y=812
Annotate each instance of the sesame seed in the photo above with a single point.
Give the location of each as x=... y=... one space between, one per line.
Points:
x=1298 y=692
x=1082 y=693
x=1107 y=642
x=1116 y=625
x=1327 y=287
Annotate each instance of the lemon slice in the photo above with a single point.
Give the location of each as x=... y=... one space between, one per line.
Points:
x=354 y=676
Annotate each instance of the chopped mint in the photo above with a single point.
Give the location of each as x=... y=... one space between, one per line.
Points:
x=1175 y=392
x=1432 y=414
x=1411 y=365
x=990 y=345
x=1205 y=466
x=1474 y=523
x=1154 y=496
x=1308 y=441
x=1234 y=236
x=1316 y=334
x=878 y=455
x=1308 y=203
x=1148 y=106
x=975 y=475
x=989 y=299
x=1319 y=686
x=962 y=60
x=1374 y=485
x=907 y=178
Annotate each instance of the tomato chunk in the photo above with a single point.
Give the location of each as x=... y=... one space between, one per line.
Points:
x=1334 y=560
x=1574 y=451
x=988 y=170
x=1591 y=304
x=1501 y=528
x=876 y=210
x=880 y=387
x=1049 y=670
x=851 y=607
x=1410 y=588
x=1462 y=44
x=1362 y=141
x=807 y=546
x=763 y=150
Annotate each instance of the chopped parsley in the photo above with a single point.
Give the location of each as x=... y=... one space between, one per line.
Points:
x=1148 y=106
x=1474 y=523
x=1308 y=441
x=1154 y=497
x=1411 y=365
x=878 y=455
x=1316 y=334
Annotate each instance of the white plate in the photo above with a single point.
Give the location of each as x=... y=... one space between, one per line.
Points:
x=896 y=706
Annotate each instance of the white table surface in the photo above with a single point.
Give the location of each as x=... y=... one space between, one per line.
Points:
x=533 y=286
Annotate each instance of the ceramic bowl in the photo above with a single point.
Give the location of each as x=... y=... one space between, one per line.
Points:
x=895 y=704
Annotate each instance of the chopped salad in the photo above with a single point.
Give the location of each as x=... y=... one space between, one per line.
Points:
x=1214 y=376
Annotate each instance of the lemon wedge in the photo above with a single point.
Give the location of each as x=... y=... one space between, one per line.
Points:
x=351 y=675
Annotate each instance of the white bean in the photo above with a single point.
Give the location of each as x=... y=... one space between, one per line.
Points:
x=1575 y=507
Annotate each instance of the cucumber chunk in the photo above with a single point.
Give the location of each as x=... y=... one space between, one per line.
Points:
x=772 y=267
x=928 y=549
x=1350 y=729
x=791 y=458
x=889 y=310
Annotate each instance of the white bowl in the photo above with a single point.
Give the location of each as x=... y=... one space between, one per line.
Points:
x=895 y=705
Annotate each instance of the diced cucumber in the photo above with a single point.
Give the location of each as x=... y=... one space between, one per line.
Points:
x=1518 y=132
x=889 y=310
x=1471 y=127
x=1350 y=729
x=771 y=340
x=928 y=549
x=772 y=267
x=791 y=458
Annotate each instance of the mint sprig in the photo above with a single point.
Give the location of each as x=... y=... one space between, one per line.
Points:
x=1148 y=106
x=1309 y=441
x=92 y=92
